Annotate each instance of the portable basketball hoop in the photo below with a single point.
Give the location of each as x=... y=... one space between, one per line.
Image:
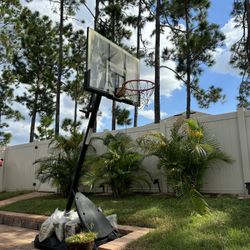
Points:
x=139 y=87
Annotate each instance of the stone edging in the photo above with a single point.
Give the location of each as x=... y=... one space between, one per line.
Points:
x=33 y=221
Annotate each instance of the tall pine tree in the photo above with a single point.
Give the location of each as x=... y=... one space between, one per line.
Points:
x=74 y=85
x=33 y=64
x=157 y=106
x=138 y=21
x=194 y=38
x=9 y=12
x=7 y=98
x=241 y=50
x=67 y=9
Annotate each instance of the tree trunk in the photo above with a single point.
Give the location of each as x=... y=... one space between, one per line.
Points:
x=1 y=119
x=138 y=54
x=59 y=77
x=114 y=190
x=97 y=13
x=188 y=58
x=33 y=119
x=247 y=6
x=75 y=115
x=157 y=63
x=188 y=110
x=113 y=115
x=114 y=40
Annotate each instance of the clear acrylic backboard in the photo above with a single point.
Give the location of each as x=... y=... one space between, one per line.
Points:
x=108 y=67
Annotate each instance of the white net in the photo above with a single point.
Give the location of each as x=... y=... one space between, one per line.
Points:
x=140 y=90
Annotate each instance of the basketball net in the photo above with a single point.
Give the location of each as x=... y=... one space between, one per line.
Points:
x=139 y=90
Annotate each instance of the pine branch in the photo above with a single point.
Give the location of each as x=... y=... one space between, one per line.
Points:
x=176 y=73
x=181 y=78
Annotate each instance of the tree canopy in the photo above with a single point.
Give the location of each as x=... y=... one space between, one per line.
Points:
x=41 y=59
x=194 y=40
x=240 y=57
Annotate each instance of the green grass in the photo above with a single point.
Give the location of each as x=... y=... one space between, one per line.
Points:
x=176 y=226
x=7 y=195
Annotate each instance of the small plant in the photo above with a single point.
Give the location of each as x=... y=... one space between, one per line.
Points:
x=81 y=241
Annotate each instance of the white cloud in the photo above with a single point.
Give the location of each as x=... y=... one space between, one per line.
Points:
x=45 y=7
x=48 y=8
x=222 y=55
x=222 y=65
x=19 y=131
x=168 y=81
x=232 y=33
x=105 y=113
x=149 y=114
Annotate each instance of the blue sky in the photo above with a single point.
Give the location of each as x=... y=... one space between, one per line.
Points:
x=173 y=93
x=219 y=11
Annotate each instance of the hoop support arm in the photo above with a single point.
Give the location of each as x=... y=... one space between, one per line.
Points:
x=73 y=189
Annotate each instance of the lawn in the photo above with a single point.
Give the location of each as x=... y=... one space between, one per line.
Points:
x=176 y=226
x=7 y=195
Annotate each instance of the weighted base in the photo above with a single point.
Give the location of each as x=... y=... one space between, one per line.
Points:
x=51 y=243
x=92 y=219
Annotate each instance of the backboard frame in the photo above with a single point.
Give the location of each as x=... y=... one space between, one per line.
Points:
x=120 y=73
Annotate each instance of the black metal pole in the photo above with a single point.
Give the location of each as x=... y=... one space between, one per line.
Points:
x=86 y=140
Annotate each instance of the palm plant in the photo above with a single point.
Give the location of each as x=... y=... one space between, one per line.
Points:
x=118 y=167
x=59 y=165
x=185 y=157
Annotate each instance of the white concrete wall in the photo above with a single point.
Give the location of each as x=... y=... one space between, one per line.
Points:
x=19 y=170
x=2 y=150
x=43 y=151
x=222 y=177
x=231 y=130
x=150 y=164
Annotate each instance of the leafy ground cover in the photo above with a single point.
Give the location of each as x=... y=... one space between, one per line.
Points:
x=176 y=226
x=7 y=195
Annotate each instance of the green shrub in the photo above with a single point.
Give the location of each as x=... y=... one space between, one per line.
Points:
x=185 y=156
x=59 y=165
x=118 y=167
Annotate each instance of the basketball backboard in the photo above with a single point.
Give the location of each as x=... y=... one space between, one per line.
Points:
x=108 y=67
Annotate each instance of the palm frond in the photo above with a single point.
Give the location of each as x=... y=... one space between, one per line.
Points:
x=116 y=167
x=199 y=203
x=59 y=165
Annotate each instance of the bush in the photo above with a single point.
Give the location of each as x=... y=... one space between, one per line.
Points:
x=185 y=156
x=59 y=166
x=118 y=167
